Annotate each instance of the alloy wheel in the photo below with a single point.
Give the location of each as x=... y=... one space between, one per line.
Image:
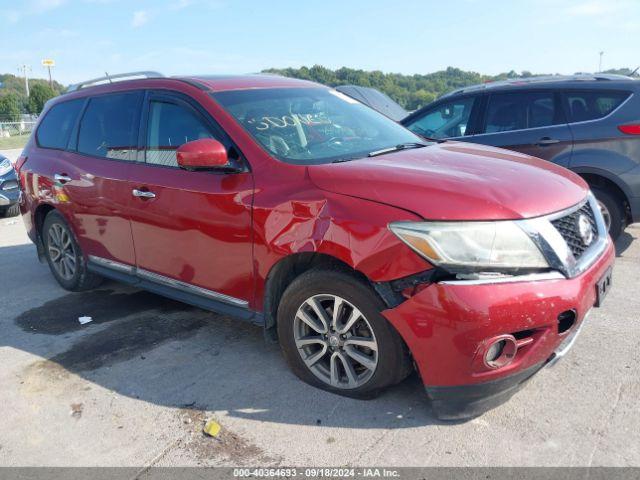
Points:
x=605 y=214
x=335 y=341
x=61 y=251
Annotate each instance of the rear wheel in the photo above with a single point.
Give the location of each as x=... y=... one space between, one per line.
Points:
x=64 y=256
x=333 y=335
x=612 y=211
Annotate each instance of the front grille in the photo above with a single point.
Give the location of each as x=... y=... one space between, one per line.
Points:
x=568 y=228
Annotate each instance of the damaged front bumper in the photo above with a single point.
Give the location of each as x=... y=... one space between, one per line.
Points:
x=446 y=324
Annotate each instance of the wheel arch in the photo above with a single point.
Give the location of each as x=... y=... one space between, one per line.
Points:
x=39 y=215
x=609 y=182
x=287 y=269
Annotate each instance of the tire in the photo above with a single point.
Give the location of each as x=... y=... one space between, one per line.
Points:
x=393 y=363
x=613 y=207
x=57 y=236
x=12 y=211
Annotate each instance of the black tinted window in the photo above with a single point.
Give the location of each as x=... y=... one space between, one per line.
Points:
x=56 y=126
x=109 y=126
x=449 y=119
x=170 y=126
x=593 y=105
x=517 y=111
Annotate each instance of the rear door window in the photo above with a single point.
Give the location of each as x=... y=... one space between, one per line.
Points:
x=592 y=105
x=109 y=126
x=518 y=111
x=448 y=119
x=169 y=126
x=56 y=126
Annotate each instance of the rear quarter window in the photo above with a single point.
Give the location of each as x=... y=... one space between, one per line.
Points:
x=109 y=126
x=56 y=126
x=593 y=104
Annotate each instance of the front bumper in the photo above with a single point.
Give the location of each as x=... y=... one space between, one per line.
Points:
x=8 y=198
x=445 y=325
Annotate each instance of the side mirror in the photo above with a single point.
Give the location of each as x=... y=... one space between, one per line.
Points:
x=205 y=153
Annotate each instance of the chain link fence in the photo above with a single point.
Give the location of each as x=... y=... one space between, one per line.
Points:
x=12 y=126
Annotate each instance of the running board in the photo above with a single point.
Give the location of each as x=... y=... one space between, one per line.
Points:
x=175 y=289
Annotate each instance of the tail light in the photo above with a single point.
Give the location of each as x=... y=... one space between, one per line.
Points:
x=18 y=166
x=630 y=129
x=20 y=162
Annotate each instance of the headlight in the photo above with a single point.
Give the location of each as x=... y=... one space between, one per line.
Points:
x=5 y=166
x=475 y=246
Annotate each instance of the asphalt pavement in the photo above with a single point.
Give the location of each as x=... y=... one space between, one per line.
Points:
x=135 y=386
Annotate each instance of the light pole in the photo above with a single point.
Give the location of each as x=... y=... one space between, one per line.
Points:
x=600 y=62
x=25 y=69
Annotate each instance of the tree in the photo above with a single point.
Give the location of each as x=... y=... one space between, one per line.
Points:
x=410 y=91
x=38 y=96
x=10 y=107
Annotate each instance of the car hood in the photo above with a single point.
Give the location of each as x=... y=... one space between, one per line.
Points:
x=456 y=181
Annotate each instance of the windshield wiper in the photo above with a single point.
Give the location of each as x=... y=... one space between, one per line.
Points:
x=346 y=159
x=402 y=146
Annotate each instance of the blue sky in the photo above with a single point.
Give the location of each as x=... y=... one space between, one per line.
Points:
x=88 y=37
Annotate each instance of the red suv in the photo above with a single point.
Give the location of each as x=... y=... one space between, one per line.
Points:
x=366 y=250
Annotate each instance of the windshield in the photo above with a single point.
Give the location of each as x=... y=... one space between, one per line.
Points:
x=312 y=125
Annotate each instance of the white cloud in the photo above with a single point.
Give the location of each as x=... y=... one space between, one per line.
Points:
x=12 y=16
x=32 y=7
x=180 y=4
x=592 y=8
x=139 y=18
x=203 y=4
x=41 y=6
x=58 y=33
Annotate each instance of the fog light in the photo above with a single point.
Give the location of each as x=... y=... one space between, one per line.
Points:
x=494 y=351
x=501 y=351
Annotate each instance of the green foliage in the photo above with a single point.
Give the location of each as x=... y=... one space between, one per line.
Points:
x=410 y=91
x=38 y=96
x=624 y=71
x=10 y=107
x=14 y=86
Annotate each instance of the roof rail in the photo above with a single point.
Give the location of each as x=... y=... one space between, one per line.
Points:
x=539 y=79
x=110 y=78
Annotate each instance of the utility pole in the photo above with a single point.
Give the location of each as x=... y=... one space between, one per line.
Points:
x=600 y=62
x=25 y=69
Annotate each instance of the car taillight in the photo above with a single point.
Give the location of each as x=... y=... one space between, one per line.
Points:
x=20 y=162
x=630 y=129
x=18 y=166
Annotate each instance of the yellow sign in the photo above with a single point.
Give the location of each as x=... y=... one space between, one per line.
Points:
x=47 y=62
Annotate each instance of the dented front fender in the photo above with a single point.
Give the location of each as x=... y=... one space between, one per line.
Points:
x=350 y=229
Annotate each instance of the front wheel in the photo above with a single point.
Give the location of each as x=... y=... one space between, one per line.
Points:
x=612 y=210
x=333 y=335
x=64 y=256
x=12 y=211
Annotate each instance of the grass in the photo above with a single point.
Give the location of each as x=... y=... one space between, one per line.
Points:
x=17 y=141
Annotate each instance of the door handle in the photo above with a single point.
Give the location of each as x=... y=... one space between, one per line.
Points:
x=547 y=141
x=143 y=194
x=62 y=178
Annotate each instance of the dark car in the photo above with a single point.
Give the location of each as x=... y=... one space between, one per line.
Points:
x=375 y=99
x=9 y=191
x=587 y=123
